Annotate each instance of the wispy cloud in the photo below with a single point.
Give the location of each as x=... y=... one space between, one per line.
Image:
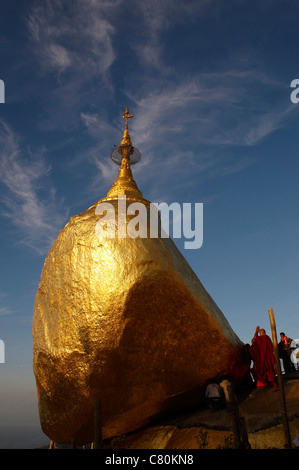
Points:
x=181 y=120
x=72 y=42
x=229 y=107
x=188 y=129
x=268 y=122
x=214 y=108
x=104 y=136
x=75 y=35
x=28 y=201
x=156 y=17
x=191 y=127
x=5 y=311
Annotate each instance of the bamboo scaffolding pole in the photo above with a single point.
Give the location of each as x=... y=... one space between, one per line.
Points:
x=237 y=422
x=280 y=381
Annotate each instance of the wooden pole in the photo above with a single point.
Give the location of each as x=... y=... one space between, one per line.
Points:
x=280 y=381
x=98 y=440
x=244 y=434
x=233 y=412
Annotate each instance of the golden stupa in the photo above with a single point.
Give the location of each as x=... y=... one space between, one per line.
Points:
x=122 y=320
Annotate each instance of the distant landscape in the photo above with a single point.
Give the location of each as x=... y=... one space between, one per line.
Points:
x=22 y=437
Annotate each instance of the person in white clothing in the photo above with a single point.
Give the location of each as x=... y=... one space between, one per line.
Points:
x=215 y=396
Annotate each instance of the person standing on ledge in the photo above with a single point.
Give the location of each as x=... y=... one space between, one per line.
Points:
x=284 y=349
x=262 y=354
x=215 y=396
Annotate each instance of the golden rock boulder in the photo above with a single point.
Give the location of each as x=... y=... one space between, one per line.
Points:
x=125 y=321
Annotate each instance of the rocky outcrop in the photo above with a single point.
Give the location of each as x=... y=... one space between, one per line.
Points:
x=125 y=321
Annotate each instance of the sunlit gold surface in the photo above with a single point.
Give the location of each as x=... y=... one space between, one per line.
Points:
x=126 y=321
x=125 y=183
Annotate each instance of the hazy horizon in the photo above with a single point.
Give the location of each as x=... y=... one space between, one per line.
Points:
x=209 y=85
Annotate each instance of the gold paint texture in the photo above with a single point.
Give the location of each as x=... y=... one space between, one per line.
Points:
x=125 y=183
x=125 y=321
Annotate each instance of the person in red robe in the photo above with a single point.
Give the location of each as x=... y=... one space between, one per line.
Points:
x=261 y=351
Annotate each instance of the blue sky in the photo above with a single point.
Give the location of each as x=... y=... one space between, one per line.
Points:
x=208 y=83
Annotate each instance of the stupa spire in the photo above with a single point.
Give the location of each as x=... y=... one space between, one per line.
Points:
x=125 y=155
x=126 y=140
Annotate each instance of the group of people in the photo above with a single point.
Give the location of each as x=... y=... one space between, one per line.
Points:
x=262 y=355
x=285 y=349
x=263 y=371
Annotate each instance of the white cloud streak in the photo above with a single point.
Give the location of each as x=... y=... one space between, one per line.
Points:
x=185 y=130
x=103 y=133
x=176 y=115
x=213 y=108
x=156 y=17
x=72 y=41
x=72 y=34
x=189 y=131
x=28 y=201
x=4 y=311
